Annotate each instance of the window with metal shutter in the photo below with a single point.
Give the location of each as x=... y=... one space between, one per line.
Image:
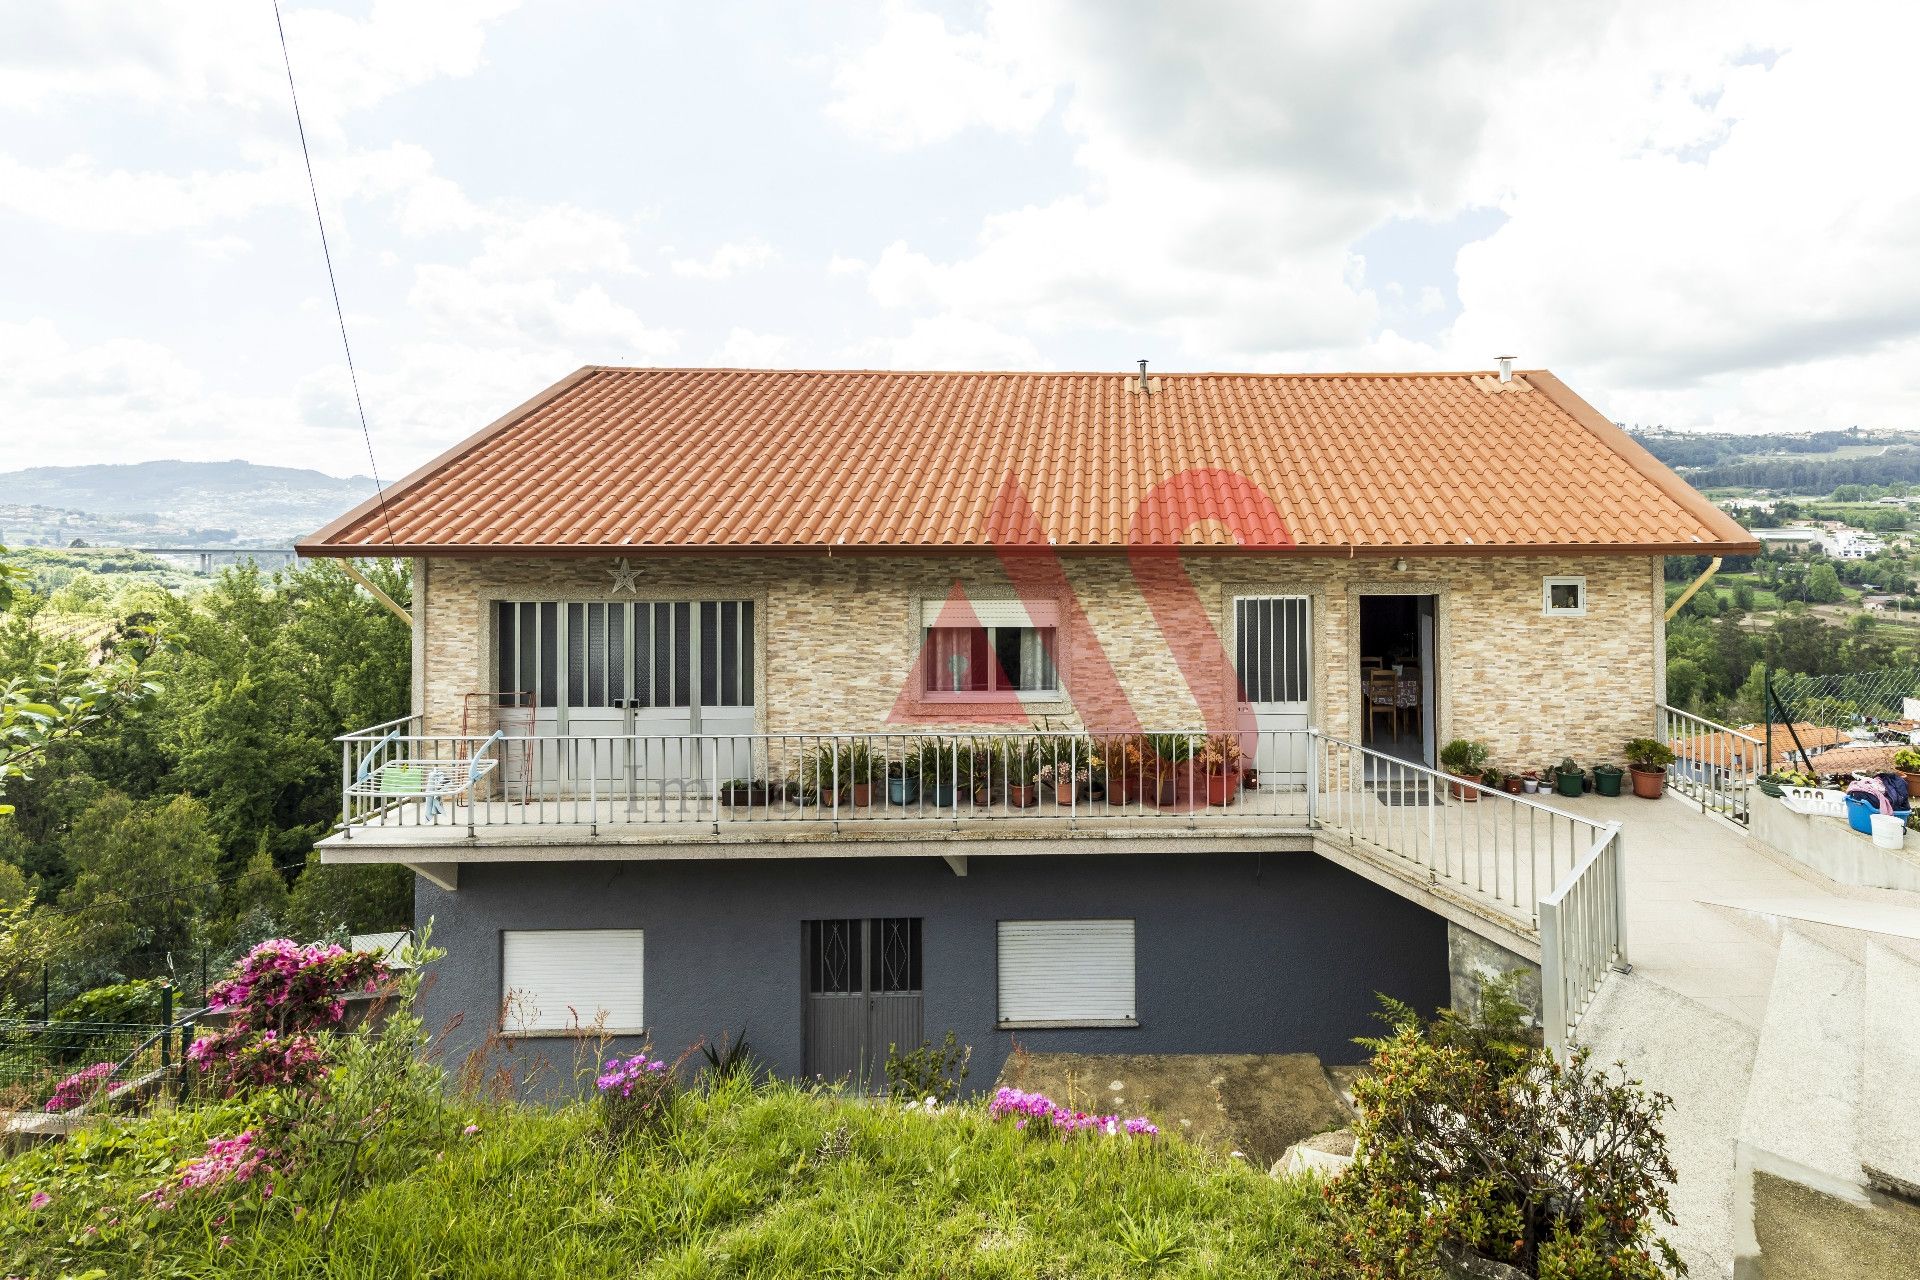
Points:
x=566 y=979
x=1075 y=972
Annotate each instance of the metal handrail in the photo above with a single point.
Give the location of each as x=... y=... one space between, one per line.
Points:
x=1583 y=936
x=1497 y=846
x=1709 y=765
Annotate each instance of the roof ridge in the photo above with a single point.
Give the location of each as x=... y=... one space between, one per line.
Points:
x=1304 y=375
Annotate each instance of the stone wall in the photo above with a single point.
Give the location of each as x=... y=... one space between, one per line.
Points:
x=839 y=636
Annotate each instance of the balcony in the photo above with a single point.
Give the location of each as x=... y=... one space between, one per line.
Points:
x=400 y=785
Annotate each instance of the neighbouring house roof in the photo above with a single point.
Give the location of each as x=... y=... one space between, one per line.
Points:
x=615 y=459
x=1716 y=747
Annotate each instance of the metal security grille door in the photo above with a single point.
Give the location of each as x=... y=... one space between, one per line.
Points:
x=863 y=995
x=1273 y=655
x=648 y=671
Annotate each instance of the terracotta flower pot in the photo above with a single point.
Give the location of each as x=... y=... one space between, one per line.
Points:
x=1460 y=791
x=1023 y=795
x=862 y=794
x=1221 y=786
x=1063 y=792
x=1649 y=784
x=1913 y=780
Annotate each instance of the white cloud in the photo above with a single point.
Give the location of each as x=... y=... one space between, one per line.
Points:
x=921 y=82
x=174 y=55
x=727 y=261
x=947 y=342
x=745 y=349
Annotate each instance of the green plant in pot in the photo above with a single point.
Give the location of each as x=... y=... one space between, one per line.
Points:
x=1465 y=758
x=1649 y=758
x=941 y=772
x=1606 y=779
x=1568 y=779
x=1020 y=761
x=1907 y=762
x=903 y=779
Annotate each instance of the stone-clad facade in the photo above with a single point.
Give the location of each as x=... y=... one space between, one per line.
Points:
x=839 y=635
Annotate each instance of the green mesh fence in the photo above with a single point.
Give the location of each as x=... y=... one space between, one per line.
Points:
x=1862 y=705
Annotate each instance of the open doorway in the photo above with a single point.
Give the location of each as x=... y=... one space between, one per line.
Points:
x=1398 y=675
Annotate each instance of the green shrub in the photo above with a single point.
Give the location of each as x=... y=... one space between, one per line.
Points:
x=930 y=1071
x=1468 y=1144
x=1464 y=756
x=1648 y=753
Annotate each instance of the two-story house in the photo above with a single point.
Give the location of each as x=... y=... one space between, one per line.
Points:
x=854 y=707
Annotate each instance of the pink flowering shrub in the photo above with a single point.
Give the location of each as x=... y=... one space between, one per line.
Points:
x=78 y=1087
x=228 y=1162
x=280 y=996
x=636 y=1094
x=1037 y=1113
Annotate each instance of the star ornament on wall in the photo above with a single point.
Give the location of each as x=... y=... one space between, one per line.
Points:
x=625 y=576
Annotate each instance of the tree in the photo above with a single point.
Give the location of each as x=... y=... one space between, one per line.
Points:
x=1684 y=681
x=144 y=884
x=1823 y=585
x=350 y=898
x=256 y=906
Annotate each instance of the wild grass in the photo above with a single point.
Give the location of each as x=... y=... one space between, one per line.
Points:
x=767 y=1181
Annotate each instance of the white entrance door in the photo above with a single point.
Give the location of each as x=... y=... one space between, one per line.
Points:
x=1273 y=652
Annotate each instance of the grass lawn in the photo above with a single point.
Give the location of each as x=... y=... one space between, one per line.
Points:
x=774 y=1182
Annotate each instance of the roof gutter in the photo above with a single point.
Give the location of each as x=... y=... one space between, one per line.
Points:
x=353 y=571
x=1713 y=567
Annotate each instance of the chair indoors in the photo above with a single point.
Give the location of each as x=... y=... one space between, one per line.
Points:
x=1383 y=700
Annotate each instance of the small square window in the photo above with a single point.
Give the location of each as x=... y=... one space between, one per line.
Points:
x=1564 y=597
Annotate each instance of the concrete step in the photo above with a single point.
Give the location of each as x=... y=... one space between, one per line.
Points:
x=1702 y=1059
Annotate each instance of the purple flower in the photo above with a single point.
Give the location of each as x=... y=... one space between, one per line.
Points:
x=40 y=1200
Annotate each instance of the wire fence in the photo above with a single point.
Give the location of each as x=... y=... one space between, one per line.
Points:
x=1808 y=716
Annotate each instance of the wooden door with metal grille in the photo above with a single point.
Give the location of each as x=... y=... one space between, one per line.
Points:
x=1273 y=656
x=863 y=995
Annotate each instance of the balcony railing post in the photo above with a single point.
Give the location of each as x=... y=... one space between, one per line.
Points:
x=346 y=788
x=1621 y=963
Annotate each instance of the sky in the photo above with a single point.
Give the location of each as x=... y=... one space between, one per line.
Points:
x=1701 y=215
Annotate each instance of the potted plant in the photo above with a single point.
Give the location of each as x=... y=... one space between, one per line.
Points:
x=743 y=791
x=1020 y=761
x=1906 y=761
x=903 y=780
x=940 y=772
x=1219 y=755
x=1568 y=780
x=1171 y=768
x=856 y=768
x=1530 y=782
x=1466 y=759
x=1130 y=766
x=1606 y=779
x=1649 y=758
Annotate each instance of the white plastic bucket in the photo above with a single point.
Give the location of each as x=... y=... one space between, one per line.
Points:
x=1889 y=831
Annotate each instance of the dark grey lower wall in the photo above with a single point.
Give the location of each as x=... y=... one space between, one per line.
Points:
x=1235 y=953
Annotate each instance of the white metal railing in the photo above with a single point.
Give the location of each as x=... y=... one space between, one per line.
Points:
x=722 y=780
x=1712 y=764
x=1507 y=848
x=1583 y=935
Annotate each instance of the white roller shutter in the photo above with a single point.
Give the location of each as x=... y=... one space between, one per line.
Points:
x=1072 y=971
x=564 y=979
x=989 y=613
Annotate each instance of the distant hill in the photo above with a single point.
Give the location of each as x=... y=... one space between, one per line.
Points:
x=171 y=502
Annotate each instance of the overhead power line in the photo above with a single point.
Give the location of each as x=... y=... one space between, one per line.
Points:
x=313 y=189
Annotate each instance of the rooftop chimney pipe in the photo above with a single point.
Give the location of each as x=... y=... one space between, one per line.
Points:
x=1143 y=376
x=1506 y=367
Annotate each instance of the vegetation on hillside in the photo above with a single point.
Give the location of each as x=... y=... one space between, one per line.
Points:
x=304 y=1152
x=149 y=830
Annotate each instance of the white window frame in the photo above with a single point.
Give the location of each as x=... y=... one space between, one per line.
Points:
x=622 y=952
x=1546 y=597
x=1123 y=1009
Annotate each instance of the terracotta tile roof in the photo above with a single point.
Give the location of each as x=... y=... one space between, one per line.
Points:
x=728 y=458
